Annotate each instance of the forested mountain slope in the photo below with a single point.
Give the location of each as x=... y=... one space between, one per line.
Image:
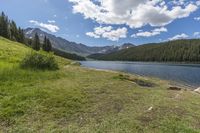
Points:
x=178 y=51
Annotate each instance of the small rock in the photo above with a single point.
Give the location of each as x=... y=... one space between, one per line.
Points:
x=174 y=88
x=150 y=108
x=197 y=90
x=76 y=63
x=177 y=96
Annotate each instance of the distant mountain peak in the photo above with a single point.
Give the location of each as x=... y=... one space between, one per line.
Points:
x=72 y=47
x=127 y=45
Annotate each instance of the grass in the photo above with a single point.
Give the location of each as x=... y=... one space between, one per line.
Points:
x=75 y=99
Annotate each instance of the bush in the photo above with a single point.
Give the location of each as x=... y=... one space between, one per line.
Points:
x=39 y=60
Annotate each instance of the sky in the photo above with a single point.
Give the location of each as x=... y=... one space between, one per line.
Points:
x=109 y=22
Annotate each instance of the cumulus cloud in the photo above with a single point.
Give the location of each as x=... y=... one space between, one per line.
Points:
x=135 y=13
x=197 y=18
x=50 y=27
x=92 y=34
x=196 y=34
x=154 y=32
x=179 y=36
x=108 y=33
x=51 y=21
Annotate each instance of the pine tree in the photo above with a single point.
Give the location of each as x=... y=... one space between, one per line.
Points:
x=44 y=43
x=21 y=35
x=4 y=25
x=1 y=25
x=13 y=31
x=28 y=41
x=49 y=46
x=36 y=43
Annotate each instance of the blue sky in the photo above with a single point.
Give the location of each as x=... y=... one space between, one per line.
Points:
x=109 y=22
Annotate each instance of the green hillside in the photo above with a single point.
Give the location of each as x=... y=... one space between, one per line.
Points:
x=75 y=99
x=172 y=51
x=11 y=52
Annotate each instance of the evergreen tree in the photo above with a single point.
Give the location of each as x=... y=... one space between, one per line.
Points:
x=13 y=31
x=28 y=41
x=21 y=35
x=4 y=25
x=47 y=45
x=36 y=43
x=44 y=43
x=1 y=25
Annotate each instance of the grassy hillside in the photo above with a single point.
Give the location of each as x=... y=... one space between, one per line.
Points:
x=75 y=99
x=174 y=51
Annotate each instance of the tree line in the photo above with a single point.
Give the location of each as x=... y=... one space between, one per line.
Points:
x=36 y=45
x=171 y=51
x=9 y=30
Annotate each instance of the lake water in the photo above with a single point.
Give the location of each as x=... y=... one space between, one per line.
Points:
x=187 y=74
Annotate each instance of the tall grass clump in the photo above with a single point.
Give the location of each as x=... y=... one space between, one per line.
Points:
x=39 y=60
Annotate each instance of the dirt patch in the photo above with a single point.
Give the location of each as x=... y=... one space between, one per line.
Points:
x=174 y=88
x=140 y=82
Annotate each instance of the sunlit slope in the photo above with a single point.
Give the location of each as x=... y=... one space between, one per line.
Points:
x=11 y=52
x=79 y=100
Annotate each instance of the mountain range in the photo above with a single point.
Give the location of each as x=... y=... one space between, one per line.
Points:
x=73 y=47
x=178 y=50
x=171 y=51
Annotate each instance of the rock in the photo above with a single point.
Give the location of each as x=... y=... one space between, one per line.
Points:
x=75 y=63
x=175 y=88
x=197 y=90
x=149 y=109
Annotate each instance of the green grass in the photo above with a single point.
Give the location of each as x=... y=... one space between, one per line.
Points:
x=74 y=99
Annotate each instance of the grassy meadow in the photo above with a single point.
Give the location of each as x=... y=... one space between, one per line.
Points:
x=79 y=100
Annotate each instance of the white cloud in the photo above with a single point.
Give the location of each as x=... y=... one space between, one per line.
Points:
x=108 y=33
x=51 y=21
x=92 y=34
x=178 y=37
x=135 y=13
x=198 y=3
x=49 y=27
x=197 y=18
x=154 y=32
x=196 y=34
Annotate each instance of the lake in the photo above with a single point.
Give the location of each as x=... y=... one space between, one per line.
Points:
x=187 y=74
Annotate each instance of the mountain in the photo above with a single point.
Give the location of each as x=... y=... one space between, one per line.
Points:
x=72 y=47
x=126 y=46
x=68 y=55
x=173 y=51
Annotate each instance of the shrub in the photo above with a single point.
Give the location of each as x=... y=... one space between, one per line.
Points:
x=39 y=60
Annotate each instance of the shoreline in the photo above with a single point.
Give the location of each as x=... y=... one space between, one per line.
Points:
x=170 y=83
x=156 y=62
